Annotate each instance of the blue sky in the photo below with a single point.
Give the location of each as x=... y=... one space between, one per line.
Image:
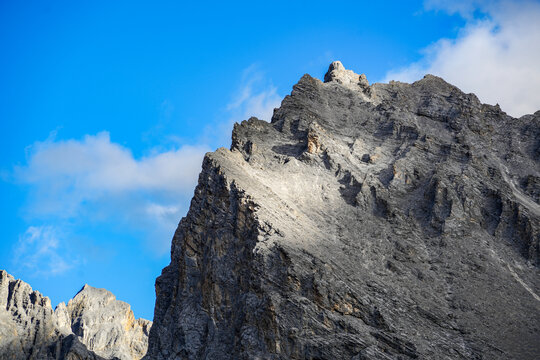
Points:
x=107 y=108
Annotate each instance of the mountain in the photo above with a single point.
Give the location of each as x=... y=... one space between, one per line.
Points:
x=384 y=221
x=92 y=326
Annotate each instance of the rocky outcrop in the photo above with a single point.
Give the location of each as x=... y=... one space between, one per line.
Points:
x=107 y=326
x=93 y=326
x=391 y=221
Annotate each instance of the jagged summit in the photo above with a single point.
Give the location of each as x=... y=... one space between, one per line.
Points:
x=337 y=72
x=92 y=326
x=384 y=221
x=100 y=296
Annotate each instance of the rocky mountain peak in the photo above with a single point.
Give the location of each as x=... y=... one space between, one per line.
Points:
x=107 y=325
x=93 y=325
x=90 y=295
x=384 y=221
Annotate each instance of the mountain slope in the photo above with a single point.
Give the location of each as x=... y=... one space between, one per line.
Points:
x=364 y=222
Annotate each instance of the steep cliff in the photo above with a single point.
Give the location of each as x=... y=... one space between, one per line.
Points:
x=93 y=326
x=391 y=221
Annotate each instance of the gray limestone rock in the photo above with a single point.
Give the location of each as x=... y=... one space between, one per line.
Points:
x=27 y=321
x=93 y=326
x=107 y=326
x=391 y=221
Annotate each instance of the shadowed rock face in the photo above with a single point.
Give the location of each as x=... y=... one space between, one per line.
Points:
x=391 y=221
x=93 y=326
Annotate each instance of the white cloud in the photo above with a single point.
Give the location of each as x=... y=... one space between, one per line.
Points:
x=94 y=179
x=495 y=57
x=38 y=252
x=97 y=164
x=166 y=215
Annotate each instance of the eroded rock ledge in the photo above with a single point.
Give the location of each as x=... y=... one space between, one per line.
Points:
x=384 y=221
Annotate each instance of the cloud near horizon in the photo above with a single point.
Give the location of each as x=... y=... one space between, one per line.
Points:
x=496 y=55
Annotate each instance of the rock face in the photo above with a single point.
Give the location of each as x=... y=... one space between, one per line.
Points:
x=105 y=325
x=93 y=326
x=391 y=221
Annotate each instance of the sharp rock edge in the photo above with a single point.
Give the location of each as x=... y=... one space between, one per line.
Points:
x=384 y=221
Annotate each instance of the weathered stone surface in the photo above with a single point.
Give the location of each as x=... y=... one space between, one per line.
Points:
x=391 y=221
x=94 y=325
x=107 y=326
x=27 y=321
x=70 y=348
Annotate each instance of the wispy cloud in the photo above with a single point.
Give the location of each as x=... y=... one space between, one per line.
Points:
x=495 y=56
x=40 y=252
x=255 y=95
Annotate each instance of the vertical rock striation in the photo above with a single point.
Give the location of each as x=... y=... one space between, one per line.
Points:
x=93 y=326
x=391 y=221
x=28 y=326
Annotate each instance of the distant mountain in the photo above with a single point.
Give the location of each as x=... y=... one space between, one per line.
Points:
x=384 y=221
x=92 y=326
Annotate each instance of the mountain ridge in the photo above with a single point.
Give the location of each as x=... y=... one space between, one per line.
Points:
x=374 y=222
x=378 y=221
x=93 y=325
